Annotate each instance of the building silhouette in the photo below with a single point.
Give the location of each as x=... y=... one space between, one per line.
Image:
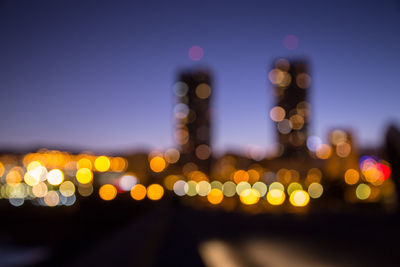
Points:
x=291 y=113
x=193 y=118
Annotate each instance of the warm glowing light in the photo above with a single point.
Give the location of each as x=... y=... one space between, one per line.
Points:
x=155 y=192
x=276 y=197
x=2 y=169
x=363 y=191
x=249 y=196
x=241 y=187
x=138 y=192
x=293 y=187
x=84 y=175
x=343 y=149
x=84 y=163
x=261 y=188
x=34 y=176
x=338 y=136
x=240 y=176
x=297 y=121
x=170 y=180
x=276 y=185
x=157 y=164
x=299 y=198
x=324 y=151
x=67 y=189
x=351 y=176
x=172 y=155
x=102 y=164
x=215 y=196
x=33 y=165
x=190 y=188
x=39 y=190
x=107 y=192
x=51 y=199
x=55 y=177
x=315 y=190
x=203 y=91
x=14 y=176
x=118 y=164
x=229 y=189
x=203 y=188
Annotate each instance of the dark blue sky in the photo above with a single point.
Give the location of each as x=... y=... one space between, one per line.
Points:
x=98 y=74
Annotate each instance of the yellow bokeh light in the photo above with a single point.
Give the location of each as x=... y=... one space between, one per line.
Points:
x=31 y=179
x=157 y=164
x=33 y=165
x=102 y=164
x=315 y=190
x=299 y=198
x=276 y=197
x=84 y=176
x=229 y=189
x=249 y=196
x=67 y=189
x=293 y=187
x=170 y=180
x=351 y=176
x=107 y=192
x=191 y=188
x=363 y=191
x=155 y=192
x=84 y=163
x=203 y=188
x=276 y=185
x=215 y=196
x=55 y=177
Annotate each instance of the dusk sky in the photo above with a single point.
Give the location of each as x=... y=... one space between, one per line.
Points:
x=98 y=75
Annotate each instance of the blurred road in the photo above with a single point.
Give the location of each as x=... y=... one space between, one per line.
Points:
x=169 y=234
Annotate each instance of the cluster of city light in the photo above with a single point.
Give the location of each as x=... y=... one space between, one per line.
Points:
x=185 y=115
x=247 y=186
x=52 y=178
x=366 y=180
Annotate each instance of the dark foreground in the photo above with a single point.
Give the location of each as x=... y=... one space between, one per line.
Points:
x=165 y=233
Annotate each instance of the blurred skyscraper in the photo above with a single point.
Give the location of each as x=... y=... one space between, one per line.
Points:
x=192 y=115
x=291 y=113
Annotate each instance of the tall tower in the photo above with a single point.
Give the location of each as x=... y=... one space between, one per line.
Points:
x=291 y=113
x=192 y=115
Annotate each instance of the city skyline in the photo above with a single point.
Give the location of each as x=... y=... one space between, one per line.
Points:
x=67 y=89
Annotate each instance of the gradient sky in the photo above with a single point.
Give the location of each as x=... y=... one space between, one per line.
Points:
x=99 y=74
